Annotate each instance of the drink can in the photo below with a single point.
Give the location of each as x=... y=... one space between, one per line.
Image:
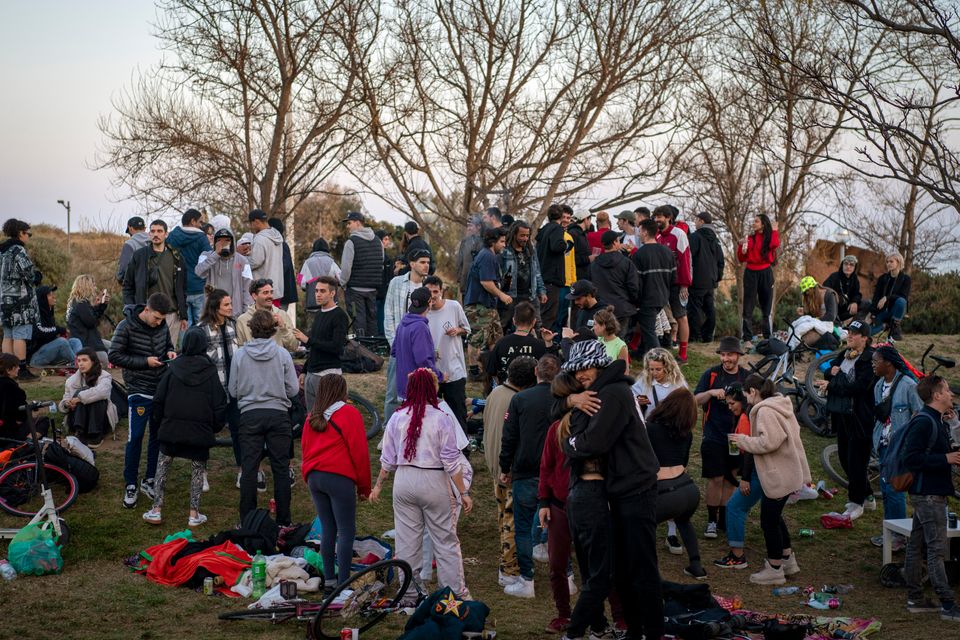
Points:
x=806 y=533
x=208 y=586
x=273 y=507
x=349 y=634
x=952 y=520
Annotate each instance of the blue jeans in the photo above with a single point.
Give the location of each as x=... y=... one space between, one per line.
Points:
x=738 y=507
x=894 y=311
x=390 y=399
x=139 y=418
x=524 y=509
x=57 y=351
x=195 y=308
x=894 y=502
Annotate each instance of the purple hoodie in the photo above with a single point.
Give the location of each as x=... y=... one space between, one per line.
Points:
x=412 y=348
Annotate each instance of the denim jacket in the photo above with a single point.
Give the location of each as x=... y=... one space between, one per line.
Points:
x=905 y=403
x=508 y=263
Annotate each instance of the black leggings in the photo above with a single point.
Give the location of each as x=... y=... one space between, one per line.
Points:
x=853 y=448
x=775 y=533
x=758 y=286
x=677 y=500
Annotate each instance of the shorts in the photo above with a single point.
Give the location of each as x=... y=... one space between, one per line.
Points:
x=19 y=332
x=485 y=328
x=676 y=308
x=716 y=461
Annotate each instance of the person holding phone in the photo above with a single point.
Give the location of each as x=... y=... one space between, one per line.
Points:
x=448 y=326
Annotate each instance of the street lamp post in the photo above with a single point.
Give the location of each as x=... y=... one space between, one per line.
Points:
x=66 y=205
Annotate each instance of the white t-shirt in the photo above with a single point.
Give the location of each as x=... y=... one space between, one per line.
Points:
x=641 y=388
x=449 y=348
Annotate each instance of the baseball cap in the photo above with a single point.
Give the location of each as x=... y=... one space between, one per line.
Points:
x=419 y=300
x=257 y=214
x=355 y=216
x=627 y=215
x=581 y=288
x=581 y=216
x=859 y=327
x=222 y=233
x=411 y=227
x=136 y=222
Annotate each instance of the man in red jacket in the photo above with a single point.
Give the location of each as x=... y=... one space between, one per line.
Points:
x=676 y=240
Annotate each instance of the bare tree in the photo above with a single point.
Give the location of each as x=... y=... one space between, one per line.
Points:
x=542 y=99
x=247 y=110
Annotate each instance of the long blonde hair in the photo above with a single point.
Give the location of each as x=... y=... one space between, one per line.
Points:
x=84 y=289
x=670 y=366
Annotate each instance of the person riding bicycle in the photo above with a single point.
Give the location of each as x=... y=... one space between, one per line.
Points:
x=849 y=386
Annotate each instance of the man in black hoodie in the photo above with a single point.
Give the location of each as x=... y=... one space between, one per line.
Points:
x=615 y=279
x=141 y=345
x=628 y=465
x=707 y=257
x=550 y=249
x=846 y=284
x=48 y=346
x=524 y=430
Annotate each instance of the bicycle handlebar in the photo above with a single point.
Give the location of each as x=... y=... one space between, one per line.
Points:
x=36 y=405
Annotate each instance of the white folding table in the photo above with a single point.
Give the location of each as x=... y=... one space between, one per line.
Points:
x=903 y=527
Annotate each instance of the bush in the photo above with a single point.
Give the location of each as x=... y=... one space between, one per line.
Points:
x=934 y=305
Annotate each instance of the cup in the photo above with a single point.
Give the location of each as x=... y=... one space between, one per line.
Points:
x=732 y=447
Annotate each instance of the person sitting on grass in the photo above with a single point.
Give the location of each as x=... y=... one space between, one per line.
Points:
x=86 y=400
x=49 y=347
x=890 y=297
x=189 y=408
x=13 y=421
x=85 y=308
x=607 y=328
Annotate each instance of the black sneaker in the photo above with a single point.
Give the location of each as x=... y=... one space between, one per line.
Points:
x=925 y=605
x=951 y=614
x=130 y=496
x=147 y=489
x=674 y=545
x=26 y=374
x=731 y=561
x=697 y=572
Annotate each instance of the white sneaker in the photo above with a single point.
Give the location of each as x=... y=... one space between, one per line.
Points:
x=206 y=483
x=572 y=586
x=768 y=575
x=853 y=510
x=239 y=473
x=790 y=566
x=504 y=580
x=540 y=553
x=196 y=522
x=870 y=504
x=711 y=531
x=391 y=534
x=522 y=588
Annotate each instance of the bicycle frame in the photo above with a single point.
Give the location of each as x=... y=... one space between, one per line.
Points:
x=48 y=511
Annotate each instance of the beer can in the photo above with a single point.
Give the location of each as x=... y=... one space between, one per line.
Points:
x=208 y=586
x=273 y=506
x=806 y=533
x=349 y=634
x=952 y=520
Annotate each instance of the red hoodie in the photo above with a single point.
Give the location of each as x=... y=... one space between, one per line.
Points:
x=755 y=261
x=676 y=240
x=554 y=472
x=344 y=453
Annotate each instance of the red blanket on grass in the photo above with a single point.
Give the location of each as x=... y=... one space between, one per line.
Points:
x=226 y=560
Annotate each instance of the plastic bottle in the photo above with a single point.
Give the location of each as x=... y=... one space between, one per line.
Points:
x=7 y=570
x=786 y=591
x=259 y=573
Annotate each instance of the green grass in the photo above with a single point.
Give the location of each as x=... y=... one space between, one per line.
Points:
x=97 y=597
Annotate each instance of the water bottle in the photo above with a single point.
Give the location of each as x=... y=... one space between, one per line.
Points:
x=259 y=572
x=786 y=591
x=7 y=570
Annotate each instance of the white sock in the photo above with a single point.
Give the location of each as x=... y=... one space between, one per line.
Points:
x=671 y=528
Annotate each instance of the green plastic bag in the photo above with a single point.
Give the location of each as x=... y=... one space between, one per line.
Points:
x=33 y=551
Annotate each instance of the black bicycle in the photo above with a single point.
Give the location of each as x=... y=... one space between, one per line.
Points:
x=359 y=603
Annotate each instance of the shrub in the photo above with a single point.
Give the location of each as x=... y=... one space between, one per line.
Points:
x=934 y=305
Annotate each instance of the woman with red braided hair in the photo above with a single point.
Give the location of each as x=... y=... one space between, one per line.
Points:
x=420 y=446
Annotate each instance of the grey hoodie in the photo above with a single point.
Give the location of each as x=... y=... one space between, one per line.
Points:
x=262 y=376
x=231 y=273
x=266 y=258
x=346 y=261
x=137 y=241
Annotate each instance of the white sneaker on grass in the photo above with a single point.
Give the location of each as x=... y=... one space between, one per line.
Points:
x=206 y=483
x=504 y=580
x=130 y=496
x=768 y=575
x=853 y=510
x=522 y=588
x=153 y=517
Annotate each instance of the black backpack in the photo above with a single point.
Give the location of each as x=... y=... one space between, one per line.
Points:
x=86 y=474
x=356 y=358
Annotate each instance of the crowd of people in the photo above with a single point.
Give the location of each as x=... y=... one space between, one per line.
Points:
x=585 y=459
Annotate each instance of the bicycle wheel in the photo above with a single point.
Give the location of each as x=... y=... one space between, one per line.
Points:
x=830 y=459
x=21 y=493
x=274 y=615
x=815 y=374
x=814 y=416
x=371 y=417
x=363 y=600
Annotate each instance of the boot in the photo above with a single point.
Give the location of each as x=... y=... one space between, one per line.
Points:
x=25 y=373
x=895 y=331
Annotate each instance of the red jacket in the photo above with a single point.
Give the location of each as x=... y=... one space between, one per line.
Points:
x=677 y=241
x=756 y=262
x=554 y=472
x=344 y=453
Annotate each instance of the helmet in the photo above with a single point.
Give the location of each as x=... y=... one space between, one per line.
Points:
x=807 y=283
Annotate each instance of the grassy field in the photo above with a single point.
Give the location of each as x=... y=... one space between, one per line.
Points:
x=97 y=597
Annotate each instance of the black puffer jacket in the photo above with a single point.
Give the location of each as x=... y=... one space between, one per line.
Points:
x=707 y=258
x=617 y=282
x=190 y=404
x=133 y=342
